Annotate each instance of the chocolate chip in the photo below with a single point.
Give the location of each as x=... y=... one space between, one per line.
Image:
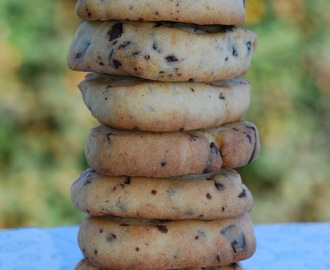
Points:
x=171 y=58
x=235 y=236
x=162 y=228
x=255 y=144
x=84 y=50
x=109 y=134
x=248 y=45
x=206 y=170
x=155 y=47
x=219 y=186
x=217 y=257
x=111 y=237
x=124 y=225
x=208 y=196
x=88 y=180
x=117 y=64
x=153 y=192
x=243 y=194
x=163 y=164
x=124 y=44
x=249 y=137
x=116 y=31
x=127 y=180
x=137 y=249
x=95 y=251
x=214 y=148
x=101 y=230
x=110 y=55
x=234 y=52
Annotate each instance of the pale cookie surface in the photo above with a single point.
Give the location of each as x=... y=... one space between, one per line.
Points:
x=84 y=265
x=162 y=51
x=211 y=196
x=149 y=244
x=131 y=103
x=136 y=153
x=198 y=11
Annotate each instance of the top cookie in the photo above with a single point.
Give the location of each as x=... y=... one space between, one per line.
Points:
x=190 y=11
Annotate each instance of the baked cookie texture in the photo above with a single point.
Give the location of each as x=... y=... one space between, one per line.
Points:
x=84 y=265
x=213 y=196
x=162 y=51
x=124 y=102
x=118 y=243
x=165 y=86
x=198 y=11
x=135 y=153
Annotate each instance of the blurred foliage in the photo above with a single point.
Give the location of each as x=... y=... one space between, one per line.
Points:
x=44 y=123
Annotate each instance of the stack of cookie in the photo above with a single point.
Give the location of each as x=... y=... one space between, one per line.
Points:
x=161 y=192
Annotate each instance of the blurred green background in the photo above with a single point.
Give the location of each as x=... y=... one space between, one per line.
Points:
x=44 y=123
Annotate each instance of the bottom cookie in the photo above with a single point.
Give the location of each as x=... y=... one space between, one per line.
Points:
x=135 y=244
x=84 y=265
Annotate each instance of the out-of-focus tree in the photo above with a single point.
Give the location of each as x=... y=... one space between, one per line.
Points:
x=44 y=123
x=291 y=107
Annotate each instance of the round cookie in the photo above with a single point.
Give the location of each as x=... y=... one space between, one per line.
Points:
x=132 y=103
x=84 y=265
x=212 y=196
x=136 y=153
x=188 y=11
x=162 y=51
x=117 y=243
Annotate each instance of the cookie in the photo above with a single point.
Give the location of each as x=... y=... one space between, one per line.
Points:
x=136 y=153
x=199 y=12
x=212 y=196
x=117 y=243
x=131 y=103
x=84 y=265
x=162 y=51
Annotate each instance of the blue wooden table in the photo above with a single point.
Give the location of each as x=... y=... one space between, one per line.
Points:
x=298 y=246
